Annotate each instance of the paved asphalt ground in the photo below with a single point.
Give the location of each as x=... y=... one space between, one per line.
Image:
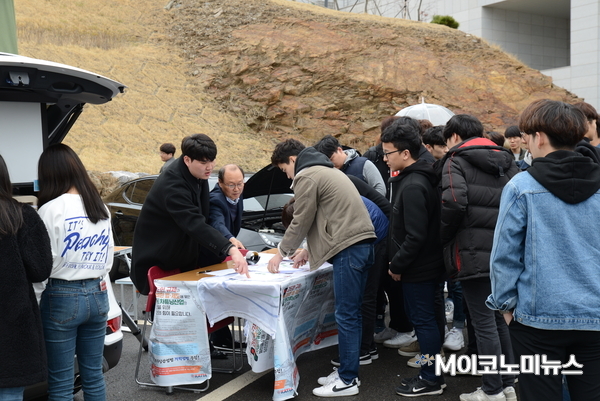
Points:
x=378 y=380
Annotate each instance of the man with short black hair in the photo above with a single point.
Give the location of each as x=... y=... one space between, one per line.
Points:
x=414 y=249
x=167 y=155
x=513 y=136
x=434 y=142
x=474 y=173
x=172 y=231
x=351 y=163
x=591 y=116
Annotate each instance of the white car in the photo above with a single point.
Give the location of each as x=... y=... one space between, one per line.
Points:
x=39 y=102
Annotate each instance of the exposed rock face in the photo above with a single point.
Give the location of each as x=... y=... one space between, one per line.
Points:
x=292 y=69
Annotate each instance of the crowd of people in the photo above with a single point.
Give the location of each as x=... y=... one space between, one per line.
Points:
x=504 y=229
x=463 y=213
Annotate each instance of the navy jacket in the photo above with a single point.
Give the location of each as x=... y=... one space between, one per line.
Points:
x=220 y=216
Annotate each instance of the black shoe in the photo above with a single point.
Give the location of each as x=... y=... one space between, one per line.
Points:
x=416 y=386
x=227 y=346
x=365 y=359
x=218 y=355
x=374 y=354
x=406 y=381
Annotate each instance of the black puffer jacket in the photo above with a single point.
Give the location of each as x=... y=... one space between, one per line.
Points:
x=473 y=175
x=25 y=258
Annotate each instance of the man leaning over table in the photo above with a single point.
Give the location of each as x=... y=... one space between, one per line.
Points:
x=331 y=215
x=172 y=231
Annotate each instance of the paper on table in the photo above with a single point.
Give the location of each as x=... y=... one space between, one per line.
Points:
x=221 y=273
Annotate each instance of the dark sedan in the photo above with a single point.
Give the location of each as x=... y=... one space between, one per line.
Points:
x=265 y=194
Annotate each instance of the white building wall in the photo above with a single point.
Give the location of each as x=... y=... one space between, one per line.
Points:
x=581 y=77
x=567 y=49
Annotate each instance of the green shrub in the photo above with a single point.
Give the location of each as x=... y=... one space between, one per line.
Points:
x=445 y=20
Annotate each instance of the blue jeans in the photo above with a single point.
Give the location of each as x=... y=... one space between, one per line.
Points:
x=12 y=394
x=74 y=317
x=350 y=270
x=419 y=299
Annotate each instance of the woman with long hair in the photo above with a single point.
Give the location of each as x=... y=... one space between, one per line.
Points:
x=24 y=258
x=75 y=302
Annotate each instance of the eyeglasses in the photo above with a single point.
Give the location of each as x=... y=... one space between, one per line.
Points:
x=386 y=154
x=234 y=186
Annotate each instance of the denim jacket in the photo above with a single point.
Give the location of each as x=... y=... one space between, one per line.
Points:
x=545 y=260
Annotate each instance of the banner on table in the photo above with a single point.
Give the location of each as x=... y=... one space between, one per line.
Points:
x=178 y=345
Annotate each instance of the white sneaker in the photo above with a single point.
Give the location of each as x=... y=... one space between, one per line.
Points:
x=449 y=307
x=479 y=395
x=510 y=394
x=454 y=340
x=400 y=340
x=337 y=388
x=333 y=376
x=385 y=334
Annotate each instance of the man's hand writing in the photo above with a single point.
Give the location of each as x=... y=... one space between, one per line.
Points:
x=300 y=258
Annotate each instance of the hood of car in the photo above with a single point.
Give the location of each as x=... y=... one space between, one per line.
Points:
x=270 y=180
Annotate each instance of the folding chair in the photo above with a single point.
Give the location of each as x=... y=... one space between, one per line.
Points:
x=154 y=273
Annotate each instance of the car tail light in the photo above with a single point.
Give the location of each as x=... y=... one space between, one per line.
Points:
x=113 y=325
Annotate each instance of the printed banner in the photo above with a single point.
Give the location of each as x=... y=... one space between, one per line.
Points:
x=306 y=323
x=178 y=346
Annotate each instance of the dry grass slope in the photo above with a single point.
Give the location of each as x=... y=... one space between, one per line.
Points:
x=125 y=40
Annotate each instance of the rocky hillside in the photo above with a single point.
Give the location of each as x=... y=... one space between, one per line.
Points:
x=251 y=72
x=287 y=69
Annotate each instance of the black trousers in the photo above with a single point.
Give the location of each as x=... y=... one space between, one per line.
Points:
x=558 y=345
x=369 y=303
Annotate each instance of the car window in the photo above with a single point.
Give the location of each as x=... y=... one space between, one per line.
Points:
x=127 y=193
x=258 y=203
x=140 y=191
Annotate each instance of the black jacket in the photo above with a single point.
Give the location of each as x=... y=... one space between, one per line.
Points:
x=371 y=194
x=172 y=231
x=25 y=258
x=473 y=175
x=414 y=246
x=375 y=154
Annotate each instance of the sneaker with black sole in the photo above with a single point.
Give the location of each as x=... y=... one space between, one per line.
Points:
x=337 y=388
x=418 y=386
x=374 y=354
x=365 y=359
